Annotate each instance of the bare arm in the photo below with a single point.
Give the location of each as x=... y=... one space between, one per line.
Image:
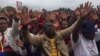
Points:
x=68 y=31
x=81 y=13
x=84 y=11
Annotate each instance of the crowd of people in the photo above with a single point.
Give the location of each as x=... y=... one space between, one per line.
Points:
x=62 y=32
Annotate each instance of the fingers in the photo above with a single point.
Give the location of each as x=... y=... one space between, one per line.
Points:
x=81 y=6
x=84 y=10
x=98 y=7
x=88 y=5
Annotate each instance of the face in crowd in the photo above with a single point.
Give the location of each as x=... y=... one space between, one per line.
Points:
x=3 y=24
x=64 y=24
x=88 y=29
x=49 y=30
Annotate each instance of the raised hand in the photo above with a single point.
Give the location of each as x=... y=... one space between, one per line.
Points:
x=84 y=10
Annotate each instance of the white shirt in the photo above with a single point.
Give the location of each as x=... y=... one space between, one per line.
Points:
x=11 y=35
x=97 y=37
x=84 y=47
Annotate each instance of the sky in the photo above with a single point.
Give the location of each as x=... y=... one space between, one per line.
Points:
x=48 y=4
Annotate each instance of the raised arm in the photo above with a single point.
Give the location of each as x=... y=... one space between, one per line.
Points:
x=84 y=11
x=26 y=35
x=80 y=14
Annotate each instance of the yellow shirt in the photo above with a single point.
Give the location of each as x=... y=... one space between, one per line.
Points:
x=54 y=51
x=1 y=47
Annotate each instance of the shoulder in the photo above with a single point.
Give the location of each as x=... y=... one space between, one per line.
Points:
x=8 y=31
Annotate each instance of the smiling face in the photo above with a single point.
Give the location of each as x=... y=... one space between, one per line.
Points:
x=3 y=24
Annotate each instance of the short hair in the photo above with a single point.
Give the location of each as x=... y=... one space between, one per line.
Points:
x=88 y=26
x=47 y=24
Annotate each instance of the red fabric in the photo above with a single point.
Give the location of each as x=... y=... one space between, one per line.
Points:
x=67 y=39
x=0 y=49
x=8 y=49
x=41 y=21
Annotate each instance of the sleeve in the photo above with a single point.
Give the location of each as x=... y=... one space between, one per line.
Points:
x=15 y=28
x=97 y=36
x=34 y=39
x=74 y=44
